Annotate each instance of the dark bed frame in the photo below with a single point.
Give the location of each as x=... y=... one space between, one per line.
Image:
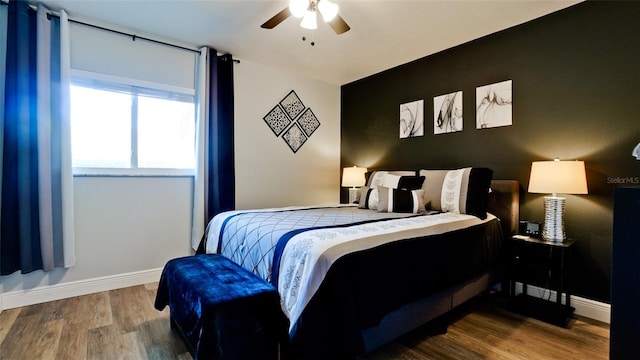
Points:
x=504 y=202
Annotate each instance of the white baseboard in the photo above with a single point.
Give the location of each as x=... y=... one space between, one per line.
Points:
x=18 y=298
x=584 y=307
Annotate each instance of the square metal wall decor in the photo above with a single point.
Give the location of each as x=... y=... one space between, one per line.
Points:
x=277 y=120
x=294 y=137
x=292 y=105
x=309 y=122
x=292 y=120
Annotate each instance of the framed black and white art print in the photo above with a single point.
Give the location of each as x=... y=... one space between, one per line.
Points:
x=412 y=119
x=494 y=105
x=447 y=113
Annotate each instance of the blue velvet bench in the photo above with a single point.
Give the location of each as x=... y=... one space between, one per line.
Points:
x=221 y=310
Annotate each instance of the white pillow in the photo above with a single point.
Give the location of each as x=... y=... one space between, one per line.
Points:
x=390 y=181
x=377 y=178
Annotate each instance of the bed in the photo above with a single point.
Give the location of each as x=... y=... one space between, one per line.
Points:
x=352 y=278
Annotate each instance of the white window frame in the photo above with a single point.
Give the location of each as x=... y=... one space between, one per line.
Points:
x=80 y=76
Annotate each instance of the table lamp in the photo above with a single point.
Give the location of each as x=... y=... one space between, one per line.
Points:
x=556 y=177
x=353 y=177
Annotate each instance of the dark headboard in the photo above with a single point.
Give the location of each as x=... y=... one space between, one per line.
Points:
x=504 y=202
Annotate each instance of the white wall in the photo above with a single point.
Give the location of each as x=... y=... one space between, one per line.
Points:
x=128 y=227
x=123 y=225
x=268 y=173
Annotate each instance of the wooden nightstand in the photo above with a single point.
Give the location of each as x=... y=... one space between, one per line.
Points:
x=546 y=265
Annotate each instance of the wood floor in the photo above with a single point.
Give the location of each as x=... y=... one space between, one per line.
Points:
x=122 y=324
x=482 y=329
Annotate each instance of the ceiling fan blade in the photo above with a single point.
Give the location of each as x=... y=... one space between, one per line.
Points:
x=339 y=25
x=277 y=19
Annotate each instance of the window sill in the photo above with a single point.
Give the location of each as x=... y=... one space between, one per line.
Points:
x=139 y=172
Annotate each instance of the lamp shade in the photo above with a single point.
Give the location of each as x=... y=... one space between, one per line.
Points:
x=558 y=177
x=353 y=176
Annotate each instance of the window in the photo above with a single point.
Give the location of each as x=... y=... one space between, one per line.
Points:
x=123 y=129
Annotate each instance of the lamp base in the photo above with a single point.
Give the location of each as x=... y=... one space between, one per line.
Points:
x=553 y=229
x=353 y=195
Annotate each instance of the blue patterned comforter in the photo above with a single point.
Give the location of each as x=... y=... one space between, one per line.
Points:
x=250 y=237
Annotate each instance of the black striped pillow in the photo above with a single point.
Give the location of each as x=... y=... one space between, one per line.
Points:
x=400 y=200
x=368 y=198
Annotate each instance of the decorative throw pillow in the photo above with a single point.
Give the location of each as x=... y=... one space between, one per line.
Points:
x=390 y=181
x=401 y=178
x=410 y=182
x=432 y=187
x=375 y=178
x=478 y=191
x=400 y=200
x=368 y=198
x=453 y=190
x=466 y=191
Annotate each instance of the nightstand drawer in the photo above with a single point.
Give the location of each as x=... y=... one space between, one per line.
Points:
x=539 y=254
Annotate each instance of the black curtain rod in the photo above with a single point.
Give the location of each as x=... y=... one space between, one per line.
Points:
x=132 y=36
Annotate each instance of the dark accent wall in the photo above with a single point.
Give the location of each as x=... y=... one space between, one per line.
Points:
x=576 y=95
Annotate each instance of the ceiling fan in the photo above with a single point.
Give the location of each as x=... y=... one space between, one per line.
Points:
x=307 y=10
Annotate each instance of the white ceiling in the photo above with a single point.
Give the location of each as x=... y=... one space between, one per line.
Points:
x=383 y=34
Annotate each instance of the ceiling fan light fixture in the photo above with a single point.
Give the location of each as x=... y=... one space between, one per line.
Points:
x=298 y=8
x=328 y=9
x=308 y=11
x=309 y=20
